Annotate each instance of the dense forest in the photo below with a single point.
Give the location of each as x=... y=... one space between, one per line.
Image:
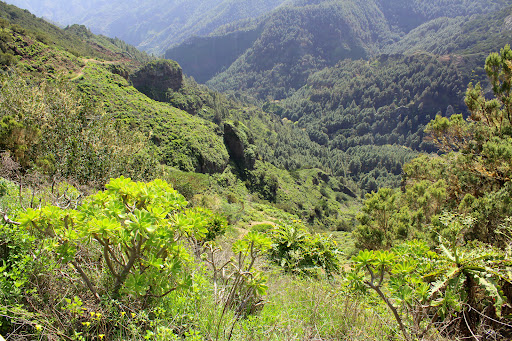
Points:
x=296 y=40
x=351 y=183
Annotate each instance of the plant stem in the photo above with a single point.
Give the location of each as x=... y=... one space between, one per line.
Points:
x=392 y=308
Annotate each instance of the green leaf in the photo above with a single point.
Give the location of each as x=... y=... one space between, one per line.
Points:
x=493 y=289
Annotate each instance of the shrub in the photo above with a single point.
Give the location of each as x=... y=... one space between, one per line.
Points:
x=137 y=226
x=298 y=251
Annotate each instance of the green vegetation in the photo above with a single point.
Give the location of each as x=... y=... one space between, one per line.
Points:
x=186 y=142
x=388 y=100
x=153 y=27
x=301 y=65
x=50 y=129
x=457 y=203
x=480 y=34
x=304 y=37
x=421 y=287
x=296 y=40
x=75 y=39
x=224 y=233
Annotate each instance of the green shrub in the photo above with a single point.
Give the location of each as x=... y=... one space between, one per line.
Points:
x=298 y=251
x=263 y=228
x=137 y=226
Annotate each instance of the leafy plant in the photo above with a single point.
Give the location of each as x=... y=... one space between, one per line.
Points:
x=237 y=284
x=421 y=287
x=298 y=251
x=137 y=226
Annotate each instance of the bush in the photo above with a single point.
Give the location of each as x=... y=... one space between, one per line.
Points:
x=137 y=226
x=298 y=251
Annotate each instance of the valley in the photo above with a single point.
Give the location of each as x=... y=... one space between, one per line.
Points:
x=257 y=169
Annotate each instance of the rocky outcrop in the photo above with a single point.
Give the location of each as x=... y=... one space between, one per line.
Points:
x=156 y=78
x=239 y=144
x=120 y=70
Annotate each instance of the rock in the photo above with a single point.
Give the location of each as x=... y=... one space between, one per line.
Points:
x=119 y=70
x=507 y=23
x=239 y=145
x=155 y=78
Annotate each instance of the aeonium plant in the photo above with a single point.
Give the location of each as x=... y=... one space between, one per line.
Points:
x=139 y=229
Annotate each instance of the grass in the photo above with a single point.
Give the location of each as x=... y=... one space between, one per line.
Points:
x=303 y=309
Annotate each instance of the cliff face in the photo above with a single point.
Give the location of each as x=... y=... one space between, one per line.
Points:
x=239 y=144
x=155 y=78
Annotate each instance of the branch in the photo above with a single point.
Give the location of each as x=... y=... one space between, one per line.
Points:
x=7 y=220
x=165 y=293
x=106 y=252
x=381 y=276
x=391 y=307
x=371 y=274
x=134 y=254
x=86 y=280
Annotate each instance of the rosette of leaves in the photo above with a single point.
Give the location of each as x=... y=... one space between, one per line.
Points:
x=422 y=287
x=137 y=226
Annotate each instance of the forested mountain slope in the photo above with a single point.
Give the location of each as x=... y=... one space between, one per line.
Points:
x=390 y=98
x=137 y=204
x=384 y=100
x=477 y=34
x=181 y=126
x=297 y=40
x=306 y=36
x=77 y=40
x=387 y=100
x=153 y=25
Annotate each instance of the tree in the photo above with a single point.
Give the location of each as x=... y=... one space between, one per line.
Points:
x=477 y=167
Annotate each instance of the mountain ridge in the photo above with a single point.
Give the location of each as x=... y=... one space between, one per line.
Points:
x=153 y=26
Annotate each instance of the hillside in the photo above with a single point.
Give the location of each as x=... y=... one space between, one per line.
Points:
x=180 y=127
x=153 y=26
x=380 y=89
x=296 y=40
x=478 y=34
x=387 y=100
x=137 y=204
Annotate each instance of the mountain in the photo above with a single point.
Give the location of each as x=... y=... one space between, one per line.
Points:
x=152 y=25
x=347 y=101
x=356 y=76
x=292 y=42
x=138 y=204
x=462 y=35
x=108 y=110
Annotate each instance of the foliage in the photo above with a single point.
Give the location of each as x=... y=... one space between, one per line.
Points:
x=50 y=127
x=76 y=39
x=388 y=100
x=185 y=142
x=237 y=285
x=137 y=226
x=467 y=35
x=296 y=40
x=470 y=179
x=421 y=287
x=143 y=25
x=476 y=168
x=297 y=251
x=389 y=215
x=16 y=267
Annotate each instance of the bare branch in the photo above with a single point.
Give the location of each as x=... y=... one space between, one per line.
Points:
x=7 y=220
